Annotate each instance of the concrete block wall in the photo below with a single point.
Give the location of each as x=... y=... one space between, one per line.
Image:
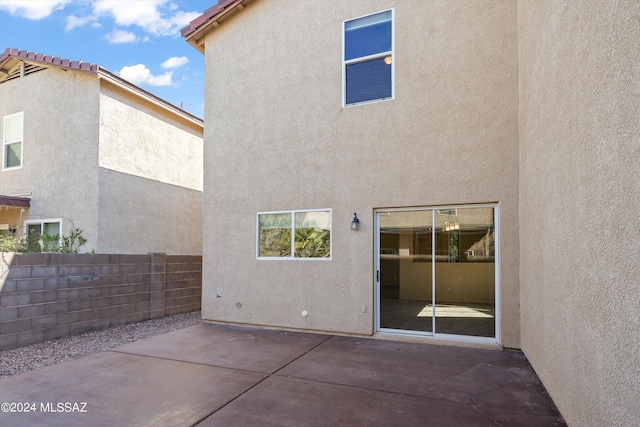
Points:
x=46 y=296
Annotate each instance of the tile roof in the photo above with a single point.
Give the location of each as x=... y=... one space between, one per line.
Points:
x=11 y=58
x=47 y=60
x=211 y=18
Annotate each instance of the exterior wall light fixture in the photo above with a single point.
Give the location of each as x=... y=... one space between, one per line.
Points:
x=355 y=222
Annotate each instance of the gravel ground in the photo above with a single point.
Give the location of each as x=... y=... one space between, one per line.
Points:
x=23 y=359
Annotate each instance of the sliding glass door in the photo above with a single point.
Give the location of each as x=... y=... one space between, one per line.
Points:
x=435 y=271
x=405 y=270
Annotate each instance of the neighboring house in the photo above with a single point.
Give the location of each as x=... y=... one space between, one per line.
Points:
x=83 y=148
x=490 y=150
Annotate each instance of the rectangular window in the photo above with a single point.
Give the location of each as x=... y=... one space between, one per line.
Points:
x=12 y=131
x=368 y=58
x=43 y=235
x=300 y=234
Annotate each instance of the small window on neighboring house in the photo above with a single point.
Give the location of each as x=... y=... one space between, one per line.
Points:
x=295 y=234
x=42 y=233
x=12 y=131
x=368 y=58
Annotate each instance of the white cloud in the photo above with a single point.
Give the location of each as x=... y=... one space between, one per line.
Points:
x=151 y=15
x=175 y=62
x=32 y=9
x=120 y=37
x=140 y=74
x=74 y=21
x=154 y=17
x=182 y=19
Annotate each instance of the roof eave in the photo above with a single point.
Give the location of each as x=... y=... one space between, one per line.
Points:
x=211 y=19
x=18 y=55
x=11 y=56
x=130 y=87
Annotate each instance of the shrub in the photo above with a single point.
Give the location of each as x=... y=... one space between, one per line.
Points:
x=36 y=242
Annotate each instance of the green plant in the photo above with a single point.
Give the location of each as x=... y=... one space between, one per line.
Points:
x=32 y=242
x=42 y=242
x=275 y=242
x=11 y=244
x=275 y=235
x=71 y=244
x=49 y=243
x=312 y=242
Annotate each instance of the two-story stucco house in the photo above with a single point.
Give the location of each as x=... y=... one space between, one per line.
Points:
x=489 y=150
x=374 y=108
x=83 y=148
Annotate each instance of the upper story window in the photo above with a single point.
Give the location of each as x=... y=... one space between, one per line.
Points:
x=294 y=234
x=12 y=132
x=367 y=70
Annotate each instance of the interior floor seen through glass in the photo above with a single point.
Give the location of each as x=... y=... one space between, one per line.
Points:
x=449 y=254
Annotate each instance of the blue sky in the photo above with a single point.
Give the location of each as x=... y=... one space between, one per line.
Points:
x=139 y=40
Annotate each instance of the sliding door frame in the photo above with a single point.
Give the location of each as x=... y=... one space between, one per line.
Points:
x=435 y=335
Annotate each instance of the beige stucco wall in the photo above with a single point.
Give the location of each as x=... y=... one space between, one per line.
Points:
x=277 y=137
x=76 y=122
x=580 y=203
x=142 y=215
x=60 y=152
x=151 y=173
x=138 y=141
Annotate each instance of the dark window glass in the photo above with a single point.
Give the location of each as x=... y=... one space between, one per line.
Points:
x=13 y=155
x=368 y=80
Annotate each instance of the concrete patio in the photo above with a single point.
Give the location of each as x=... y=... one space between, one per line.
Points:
x=215 y=375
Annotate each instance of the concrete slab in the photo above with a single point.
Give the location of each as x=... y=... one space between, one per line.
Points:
x=495 y=382
x=252 y=349
x=215 y=375
x=121 y=390
x=281 y=401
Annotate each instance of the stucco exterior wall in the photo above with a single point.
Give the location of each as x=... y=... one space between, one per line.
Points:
x=137 y=142
x=77 y=128
x=277 y=138
x=579 y=203
x=141 y=215
x=61 y=113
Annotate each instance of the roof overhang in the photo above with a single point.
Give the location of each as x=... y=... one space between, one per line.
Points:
x=211 y=19
x=107 y=75
x=11 y=60
x=15 y=201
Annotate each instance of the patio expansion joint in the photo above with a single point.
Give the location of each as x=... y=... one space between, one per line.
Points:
x=187 y=361
x=261 y=381
x=477 y=409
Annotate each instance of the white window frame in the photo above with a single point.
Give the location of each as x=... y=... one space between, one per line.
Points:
x=293 y=237
x=41 y=222
x=369 y=57
x=497 y=268
x=6 y=143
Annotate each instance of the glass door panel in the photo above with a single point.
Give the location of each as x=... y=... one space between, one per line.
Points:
x=465 y=272
x=436 y=270
x=405 y=270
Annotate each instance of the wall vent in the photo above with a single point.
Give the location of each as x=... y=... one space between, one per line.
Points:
x=28 y=69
